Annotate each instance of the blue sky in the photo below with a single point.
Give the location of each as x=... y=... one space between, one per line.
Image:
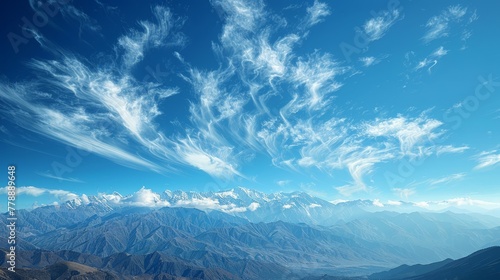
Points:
x=389 y=100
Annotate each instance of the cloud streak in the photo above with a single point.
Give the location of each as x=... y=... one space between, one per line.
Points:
x=317 y=12
x=487 y=159
x=447 y=179
x=152 y=35
x=376 y=27
x=439 y=26
x=431 y=60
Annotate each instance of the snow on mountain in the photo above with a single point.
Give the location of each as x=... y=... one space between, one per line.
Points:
x=255 y=206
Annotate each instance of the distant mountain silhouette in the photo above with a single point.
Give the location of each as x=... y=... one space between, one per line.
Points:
x=483 y=264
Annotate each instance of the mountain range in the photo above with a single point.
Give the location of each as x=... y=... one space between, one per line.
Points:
x=239 y=234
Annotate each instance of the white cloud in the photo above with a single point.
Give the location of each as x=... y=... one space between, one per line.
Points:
x=439 y=52
x=144 y=198
x=376 y=202
x=153 y=35
x=215 y=163
x=264 y=64
x=240 y=14
x=450 y=149
x=253 y=206
x=368 y=60
x=487 y=159
x=422 y=204
x=411 y=134
x=431 y=60
x=307 y=161
x=394 y=203
x=99 y=108
x=447 y=179
x=287 y=206
x=132 y=105
x=33 y=191
x=360 y=163
x=348 y=190
x=61 y=195
x=317 y=12
x=272 y=60
x=438 y=26
x=337 y=144
x=376 y=27
x=85 y=199
x=48 y=175
x=129 y=107
x=317 y=73
x=314 y=205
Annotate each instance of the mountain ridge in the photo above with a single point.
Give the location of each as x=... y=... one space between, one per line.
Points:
x=481 y=264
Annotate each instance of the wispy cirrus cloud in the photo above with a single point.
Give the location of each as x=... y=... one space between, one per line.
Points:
x=359 y=163
x=317 y=74
x=376 y=27
x=317 y=12
x=110 y=108
x=431 y=60
x=487 y=159
x=152 y=35
x=66 y=179
x=447 y=179
x=368 y=61
x=71 y=126
x=438 y=26
x=265 y=65
x=449 y=149
x=295 y=87
x=69 y=12
x=410 y=134
x=214 y=161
